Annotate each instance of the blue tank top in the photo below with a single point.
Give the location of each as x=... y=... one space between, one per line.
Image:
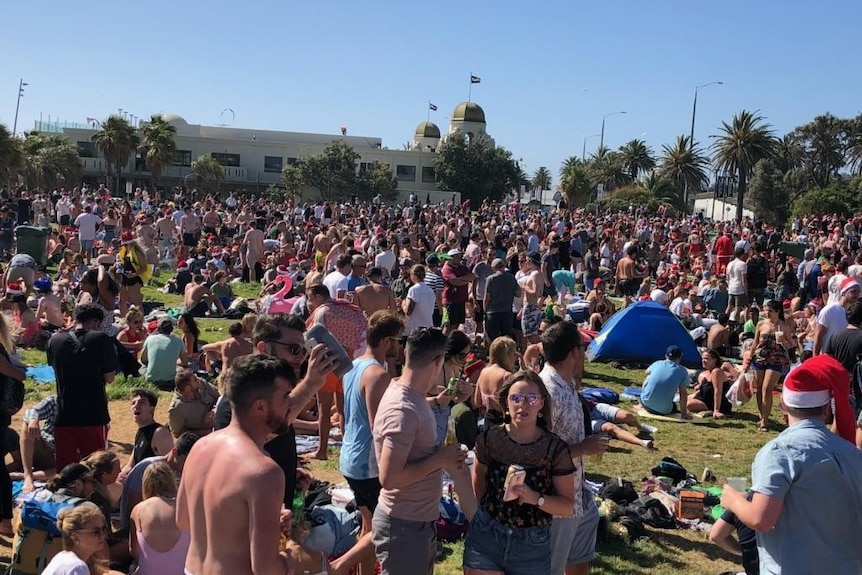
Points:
x=358 y=460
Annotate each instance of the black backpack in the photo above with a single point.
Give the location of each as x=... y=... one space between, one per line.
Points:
x=651 y=512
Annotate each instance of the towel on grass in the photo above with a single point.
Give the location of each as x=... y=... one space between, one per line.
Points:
x=42 y=373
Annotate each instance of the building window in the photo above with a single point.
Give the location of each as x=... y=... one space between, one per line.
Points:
x=273 y=163
x=429 y=176
x=87 y=150
x=183 y=158
x=366 y=166
x=140 y=162
x=405 y=173
x=226 y=160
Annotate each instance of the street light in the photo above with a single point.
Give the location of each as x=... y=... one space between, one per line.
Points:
x=584 y=150
x=691 y=136
x=602 y=141
x=21 y=85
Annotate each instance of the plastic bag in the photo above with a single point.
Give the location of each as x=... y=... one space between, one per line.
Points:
x=740 y=391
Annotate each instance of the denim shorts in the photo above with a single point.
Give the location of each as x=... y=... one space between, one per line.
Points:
x=493 y=546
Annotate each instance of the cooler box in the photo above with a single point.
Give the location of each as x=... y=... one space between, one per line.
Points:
x=578 y=312
x=33 y=241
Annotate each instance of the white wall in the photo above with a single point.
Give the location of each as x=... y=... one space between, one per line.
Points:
x=722 y=210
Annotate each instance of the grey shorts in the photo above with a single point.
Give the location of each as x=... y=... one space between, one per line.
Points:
x=601 y=414
x=404 y=546
x=739 y=300
x=573 y=540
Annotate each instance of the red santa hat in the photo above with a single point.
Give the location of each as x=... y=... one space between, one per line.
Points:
x=14 y=288
x=847 y=284
x=817 y=382
x=282 y=270
x=182 y=265
x=126 y=238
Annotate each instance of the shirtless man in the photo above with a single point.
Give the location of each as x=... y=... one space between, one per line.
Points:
x=212 y=221
x=198 y=298
x=190 y=227
x=534 y=286
x=374 y=295
x=236 y=346
x=49 y=311
x=166 y=230
x=322 y=244
x=628 y=278
x=231 y=492
x=253 y=250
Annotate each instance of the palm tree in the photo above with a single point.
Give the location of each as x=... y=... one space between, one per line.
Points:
x=575 y=182
x=117 y=140
x=49 y=161
x=684 y=164
x=637 y=157
x=789 y=153
x=606 y=168
x=662 y=188
x=11 y=155
x=740 y=145
x=542 y=179
x=208 y=171
x=158 y=145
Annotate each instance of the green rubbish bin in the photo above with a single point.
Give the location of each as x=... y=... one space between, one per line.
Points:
x=33 y=241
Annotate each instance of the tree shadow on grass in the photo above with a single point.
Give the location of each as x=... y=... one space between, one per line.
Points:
x=602 y=379
x=664 y=538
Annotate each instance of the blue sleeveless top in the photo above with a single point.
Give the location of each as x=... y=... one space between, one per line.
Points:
x=358 y=460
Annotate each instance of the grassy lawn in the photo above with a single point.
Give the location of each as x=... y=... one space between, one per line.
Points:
x=727 y=447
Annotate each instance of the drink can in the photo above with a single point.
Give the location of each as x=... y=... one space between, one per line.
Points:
x=452 y=386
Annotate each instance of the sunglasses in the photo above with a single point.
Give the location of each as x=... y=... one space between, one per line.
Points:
x=98 y=531
x=518 y=398
x=292 y=348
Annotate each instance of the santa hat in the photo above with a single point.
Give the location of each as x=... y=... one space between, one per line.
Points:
x=126 y=238
x=847 y=284
x=215 y=251
x=14 y=288
x=182 y=265
x=282 y=270
x=815 y=383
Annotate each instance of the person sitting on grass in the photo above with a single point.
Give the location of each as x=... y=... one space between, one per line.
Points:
x=84 y=531
x=222 y=289
x=606 y=419
x=664 y=378
x=710 y=391
x=198 y=299
x=133 y=335
x=161 y=353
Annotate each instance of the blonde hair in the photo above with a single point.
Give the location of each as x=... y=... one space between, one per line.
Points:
x=502 y=352
x=159 y=481
x=101 y=463
x=248 y=321
x=73 y=519
x=133 y=314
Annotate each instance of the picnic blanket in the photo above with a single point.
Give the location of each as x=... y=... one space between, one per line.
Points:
x=309 y=443
x=42 y=373
x=674 y=417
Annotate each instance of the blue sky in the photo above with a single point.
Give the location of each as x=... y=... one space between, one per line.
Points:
x=549 y=70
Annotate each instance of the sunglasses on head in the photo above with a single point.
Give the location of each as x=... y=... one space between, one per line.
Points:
x=518 y=398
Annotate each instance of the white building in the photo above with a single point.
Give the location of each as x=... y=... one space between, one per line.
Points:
x=253 y=159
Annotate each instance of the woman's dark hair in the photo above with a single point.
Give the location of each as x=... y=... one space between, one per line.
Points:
x=91 y=277
x=191 y=324
x=714 y=355
x=776 y=306
x=528 y=376
x=69 y=475
x=457 y=342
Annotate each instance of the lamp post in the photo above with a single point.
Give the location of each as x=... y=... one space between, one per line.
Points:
x=21 y=84
x=691 y=136
x=605 y=117
x=584 y=150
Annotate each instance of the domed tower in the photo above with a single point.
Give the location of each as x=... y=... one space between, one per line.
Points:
x=469 y=119
x=426 y=138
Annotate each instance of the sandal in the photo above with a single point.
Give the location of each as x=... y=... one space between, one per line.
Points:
x=763 y=428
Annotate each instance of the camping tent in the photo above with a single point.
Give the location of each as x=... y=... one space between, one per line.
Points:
x=642 y=332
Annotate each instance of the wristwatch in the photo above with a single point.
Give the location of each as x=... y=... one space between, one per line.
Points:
x=540 y=502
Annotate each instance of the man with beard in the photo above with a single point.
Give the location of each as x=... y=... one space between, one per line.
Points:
x=281 y=336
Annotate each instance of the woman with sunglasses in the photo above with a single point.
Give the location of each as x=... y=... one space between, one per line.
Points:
x=83 y=528
x=133 y=335
x=512 y=535
x=773 y=337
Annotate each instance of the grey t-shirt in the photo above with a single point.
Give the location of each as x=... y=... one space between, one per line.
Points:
x=482 y=270
x=501 y=287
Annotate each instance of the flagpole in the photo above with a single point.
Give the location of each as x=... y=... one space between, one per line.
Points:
x=428 y=116
x=470 y=87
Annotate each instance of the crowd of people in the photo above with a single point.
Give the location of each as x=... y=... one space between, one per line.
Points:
x=456 y=324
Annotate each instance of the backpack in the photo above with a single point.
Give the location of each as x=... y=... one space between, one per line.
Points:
x=670 y=467
x=652 y=512
x=37 y=538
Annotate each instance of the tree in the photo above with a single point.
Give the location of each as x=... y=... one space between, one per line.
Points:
x=11 y=155
x=788 y=153
x=117 y=140
x=739 y=146
x=768 y=195
x=541 y=179
x=209 y=172
x=476 y=169
x=332 y=172
x=854 y=145
x=378 y=181
x=822 y=201
x=823 y=141
x=684 y=164
x=637 y=157
x=606 y=168
x=662 y=189
x=158 y=145
x=291 y=179
x=575 y=184
x=49 y=161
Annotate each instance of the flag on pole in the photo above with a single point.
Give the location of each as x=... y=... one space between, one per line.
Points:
x=475 y=79
x=432 y=107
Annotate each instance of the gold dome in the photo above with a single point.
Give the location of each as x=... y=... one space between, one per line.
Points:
x=469 y=112
x=427 y=130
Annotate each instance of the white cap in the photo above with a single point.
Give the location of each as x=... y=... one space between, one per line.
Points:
x=455 y=252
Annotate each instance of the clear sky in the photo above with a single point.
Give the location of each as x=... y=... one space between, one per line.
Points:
x=549 y=69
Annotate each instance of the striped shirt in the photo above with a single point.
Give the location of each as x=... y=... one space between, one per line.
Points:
x=435 y=282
